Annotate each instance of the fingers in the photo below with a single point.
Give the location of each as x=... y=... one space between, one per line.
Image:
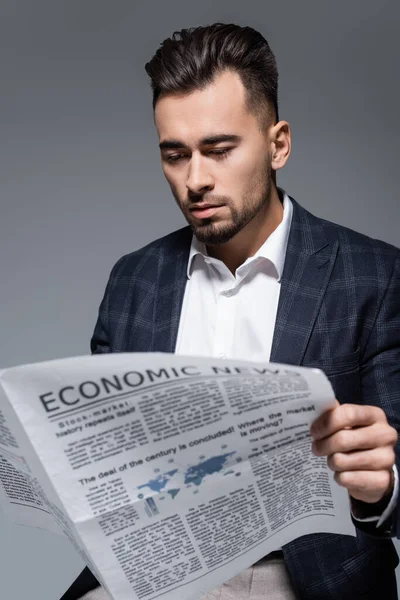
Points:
x=364 y=438
x=359 y=445
x=346 y=415
x=368 y=486
x=380 y=458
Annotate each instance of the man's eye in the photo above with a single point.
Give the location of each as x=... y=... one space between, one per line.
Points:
x=174 y=157
x=221 y=151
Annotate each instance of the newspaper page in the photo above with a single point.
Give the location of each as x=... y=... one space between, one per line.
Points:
x=26 y=494
x=172 y=474
x=21 y=496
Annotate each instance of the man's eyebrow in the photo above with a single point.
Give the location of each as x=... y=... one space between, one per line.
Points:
x=217 y=139
x=207 y=141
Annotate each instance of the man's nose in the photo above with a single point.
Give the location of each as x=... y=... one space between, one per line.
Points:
x=199 y=179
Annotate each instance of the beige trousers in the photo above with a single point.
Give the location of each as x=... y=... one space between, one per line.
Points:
x=265 y=580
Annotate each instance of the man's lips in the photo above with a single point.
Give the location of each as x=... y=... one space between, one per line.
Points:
x=203 y=211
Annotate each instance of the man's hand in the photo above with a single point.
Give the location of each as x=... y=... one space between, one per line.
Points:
x=358 y=442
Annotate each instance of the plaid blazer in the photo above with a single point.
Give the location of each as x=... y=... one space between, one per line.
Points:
x=339 y=310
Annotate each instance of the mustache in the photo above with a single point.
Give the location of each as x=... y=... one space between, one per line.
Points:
x=206 y=200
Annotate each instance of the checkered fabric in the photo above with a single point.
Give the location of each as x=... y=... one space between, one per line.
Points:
x=339 y=310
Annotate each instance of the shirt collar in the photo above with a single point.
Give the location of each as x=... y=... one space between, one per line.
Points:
x=273 y=249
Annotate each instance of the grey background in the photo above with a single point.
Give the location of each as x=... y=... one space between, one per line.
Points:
x=81 y=182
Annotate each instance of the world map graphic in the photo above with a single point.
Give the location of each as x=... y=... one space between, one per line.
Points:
x=193 y=475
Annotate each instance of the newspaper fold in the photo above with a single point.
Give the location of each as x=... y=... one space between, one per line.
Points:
x=168 y=474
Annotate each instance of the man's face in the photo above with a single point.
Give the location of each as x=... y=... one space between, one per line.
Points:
x=215 y=158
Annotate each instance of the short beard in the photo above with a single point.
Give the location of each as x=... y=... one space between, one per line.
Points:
x=212 y=234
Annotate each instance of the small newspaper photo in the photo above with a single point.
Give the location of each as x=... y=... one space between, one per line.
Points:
x=168 y=474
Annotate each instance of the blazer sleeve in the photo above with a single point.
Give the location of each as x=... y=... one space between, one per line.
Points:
x=100 y=342
x=380 y=385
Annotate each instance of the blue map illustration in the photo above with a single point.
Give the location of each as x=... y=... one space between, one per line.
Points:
x=194 y=475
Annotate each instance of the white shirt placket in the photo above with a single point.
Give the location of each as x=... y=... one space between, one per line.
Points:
x=226 y=304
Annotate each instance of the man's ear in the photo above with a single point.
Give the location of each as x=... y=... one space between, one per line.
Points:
x=281 y=143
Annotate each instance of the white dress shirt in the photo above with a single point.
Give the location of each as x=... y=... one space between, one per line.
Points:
x=229 y=315
x=233 y=316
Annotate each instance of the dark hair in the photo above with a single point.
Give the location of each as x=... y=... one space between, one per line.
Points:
x=191 y=59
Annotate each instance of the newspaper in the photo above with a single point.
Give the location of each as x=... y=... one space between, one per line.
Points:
x=168 y=474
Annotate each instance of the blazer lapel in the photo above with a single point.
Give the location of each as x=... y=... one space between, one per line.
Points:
x=308 y=266
x=310 y=258
x=169 y=291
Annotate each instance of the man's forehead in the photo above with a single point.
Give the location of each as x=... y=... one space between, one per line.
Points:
x=219 y=107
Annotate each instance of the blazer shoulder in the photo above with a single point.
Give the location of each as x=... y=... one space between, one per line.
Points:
x=362 y=245
x=356 y=239
x=351 y=241
x=167 y=246
x=360 y=253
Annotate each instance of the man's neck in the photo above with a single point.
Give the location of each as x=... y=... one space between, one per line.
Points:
x=250 y=239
